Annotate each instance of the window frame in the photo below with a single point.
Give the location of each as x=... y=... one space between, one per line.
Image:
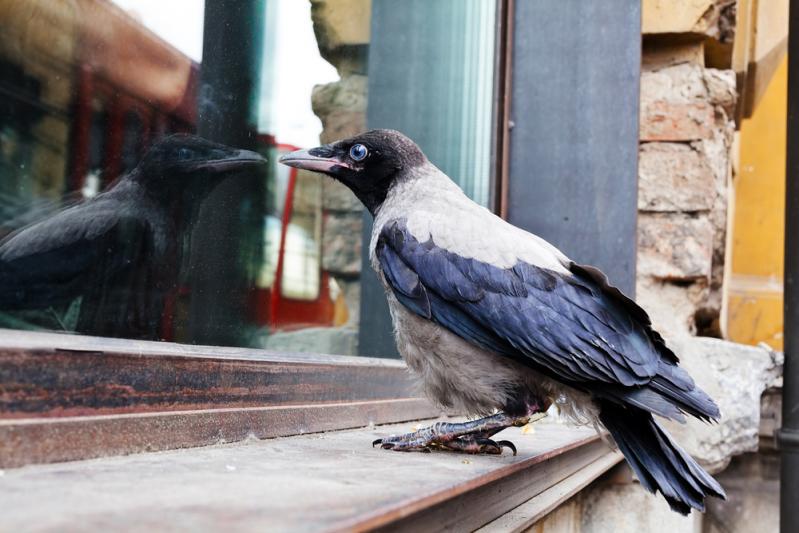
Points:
x=327 y=392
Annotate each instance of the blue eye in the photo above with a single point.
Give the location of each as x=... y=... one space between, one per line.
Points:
x=184 y=154
x=358 y=152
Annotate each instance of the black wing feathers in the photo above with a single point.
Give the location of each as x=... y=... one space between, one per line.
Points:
x=578 y=328
x=60 y=267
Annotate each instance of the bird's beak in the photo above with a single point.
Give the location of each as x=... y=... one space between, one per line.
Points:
x=305 y=160
x=237 y=160
x=241 y=158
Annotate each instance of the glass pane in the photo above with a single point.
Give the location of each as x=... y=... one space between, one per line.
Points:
x=435 y=79
x=464 y=31
x=132 y=139
x=111 y=225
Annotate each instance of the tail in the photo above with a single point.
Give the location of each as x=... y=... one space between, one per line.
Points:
x=657 y=461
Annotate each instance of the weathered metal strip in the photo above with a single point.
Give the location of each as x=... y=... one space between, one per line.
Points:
x=34 y=441
x=67 y=397
x=59 y=383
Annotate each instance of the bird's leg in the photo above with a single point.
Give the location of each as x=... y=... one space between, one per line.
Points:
x=473 y=436
x=443 y=434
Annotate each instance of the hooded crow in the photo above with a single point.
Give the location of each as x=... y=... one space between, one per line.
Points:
x=118 y=252
x=494 y=319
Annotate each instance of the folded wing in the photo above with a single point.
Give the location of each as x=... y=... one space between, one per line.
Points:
x=574 y=327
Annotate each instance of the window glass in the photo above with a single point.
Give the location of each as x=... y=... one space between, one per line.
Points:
x=96 y=151
x=132 y=139
x=111 y=225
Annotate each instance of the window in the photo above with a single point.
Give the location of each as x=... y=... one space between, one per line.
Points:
x=92 y=181
x=132 y=140
x=263 y=257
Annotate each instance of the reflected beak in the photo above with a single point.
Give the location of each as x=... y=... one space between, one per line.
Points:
x=242 y=158
x=303 y=159
x=247 y=157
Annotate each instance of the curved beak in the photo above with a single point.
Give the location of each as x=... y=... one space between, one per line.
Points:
x=305 y=160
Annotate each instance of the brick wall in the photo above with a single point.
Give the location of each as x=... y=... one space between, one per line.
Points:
x=684 y=172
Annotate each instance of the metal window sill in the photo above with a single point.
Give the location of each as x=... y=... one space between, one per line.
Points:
x=324 y=482
x=71 y=397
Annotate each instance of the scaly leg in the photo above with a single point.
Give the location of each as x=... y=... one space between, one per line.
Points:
x=469 y=437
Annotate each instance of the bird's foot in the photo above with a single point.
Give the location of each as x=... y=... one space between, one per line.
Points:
x=475 y=443
x=472 y=437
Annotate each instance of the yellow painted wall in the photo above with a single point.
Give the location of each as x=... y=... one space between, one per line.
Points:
x=753 y=282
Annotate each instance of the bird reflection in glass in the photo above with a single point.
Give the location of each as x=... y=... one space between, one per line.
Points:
x=112 y=259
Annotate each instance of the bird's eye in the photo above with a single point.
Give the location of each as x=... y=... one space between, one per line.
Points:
x=358 y=152
x=184 y=154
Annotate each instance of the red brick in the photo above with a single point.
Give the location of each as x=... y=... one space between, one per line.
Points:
x=676 y=121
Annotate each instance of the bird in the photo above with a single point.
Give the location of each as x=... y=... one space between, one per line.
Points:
x=497 y=322
x=118 y=252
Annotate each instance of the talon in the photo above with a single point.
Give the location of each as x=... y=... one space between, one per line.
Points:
x=490 y=449
x=508 y=444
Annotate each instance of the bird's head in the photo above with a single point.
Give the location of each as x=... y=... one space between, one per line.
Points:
x=182 y=161
x=369 y=163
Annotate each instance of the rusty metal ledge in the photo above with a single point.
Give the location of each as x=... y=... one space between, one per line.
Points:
x=69 y=397
x=325 y=482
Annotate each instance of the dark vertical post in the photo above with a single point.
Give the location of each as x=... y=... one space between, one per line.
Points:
x=788 y=434
x=228 y=219
x=232 y=37
x=573 y=169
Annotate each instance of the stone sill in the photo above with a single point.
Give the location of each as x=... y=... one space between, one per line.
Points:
x=323 y=482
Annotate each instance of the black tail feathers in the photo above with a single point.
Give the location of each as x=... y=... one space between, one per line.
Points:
x=657 y=461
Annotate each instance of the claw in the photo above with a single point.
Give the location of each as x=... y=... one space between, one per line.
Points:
x=472 y=437
x=508 y=444
x=490 y=447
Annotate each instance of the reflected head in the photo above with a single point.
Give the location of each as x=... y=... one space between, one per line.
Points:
x=182 y=154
